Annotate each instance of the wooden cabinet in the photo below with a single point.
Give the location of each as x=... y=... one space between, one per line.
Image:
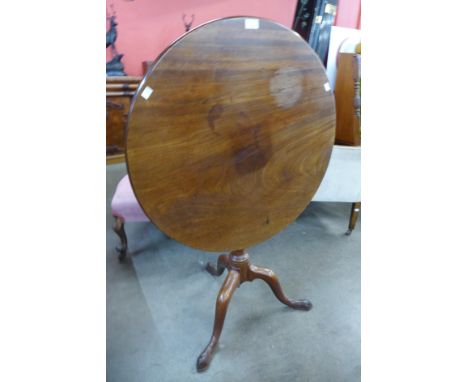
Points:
x=348 y=99
x=119 y=93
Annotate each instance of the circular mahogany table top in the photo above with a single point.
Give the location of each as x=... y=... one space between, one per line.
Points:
x=230 y=133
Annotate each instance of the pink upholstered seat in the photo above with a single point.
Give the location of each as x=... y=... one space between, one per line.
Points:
x=125 y=205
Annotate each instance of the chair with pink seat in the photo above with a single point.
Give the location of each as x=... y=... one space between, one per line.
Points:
x=125 y=208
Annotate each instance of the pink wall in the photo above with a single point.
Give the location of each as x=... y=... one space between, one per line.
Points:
x=146 y=27
x=348 y=14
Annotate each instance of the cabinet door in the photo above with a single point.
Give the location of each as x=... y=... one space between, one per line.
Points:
x=116 y=120
x=313 y=21
x=347 y=97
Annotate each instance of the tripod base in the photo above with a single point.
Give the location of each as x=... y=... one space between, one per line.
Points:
x=239 y=270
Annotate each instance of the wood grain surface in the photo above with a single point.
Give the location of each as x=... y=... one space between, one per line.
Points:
x=235 y=137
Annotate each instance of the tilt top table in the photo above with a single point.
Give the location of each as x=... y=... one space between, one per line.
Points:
x=229 y=136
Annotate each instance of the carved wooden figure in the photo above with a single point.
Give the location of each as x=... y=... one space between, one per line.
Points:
x=229 y=135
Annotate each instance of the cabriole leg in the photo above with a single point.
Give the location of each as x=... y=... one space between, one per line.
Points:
x=271 y=279
x=221 y=265
x=120 y=231
x=226 y=292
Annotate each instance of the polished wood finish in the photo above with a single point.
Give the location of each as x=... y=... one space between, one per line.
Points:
x=119 y=93
x=116 y=158
x=355 y=212
x=121 y=87
x=234 y=139
x=239 y=270
x=123 y=79
x=146 y=66
x=348 y=100
x=229 y=136
x=120 y=231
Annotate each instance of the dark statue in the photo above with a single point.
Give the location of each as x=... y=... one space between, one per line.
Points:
x=111 y=34
x=114 y=67
x=188 y=25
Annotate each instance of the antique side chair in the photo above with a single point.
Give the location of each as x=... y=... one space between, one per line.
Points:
x=125 y=208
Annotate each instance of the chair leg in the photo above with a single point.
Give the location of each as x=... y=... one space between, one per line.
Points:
x=120 y=231
x=355 y=211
